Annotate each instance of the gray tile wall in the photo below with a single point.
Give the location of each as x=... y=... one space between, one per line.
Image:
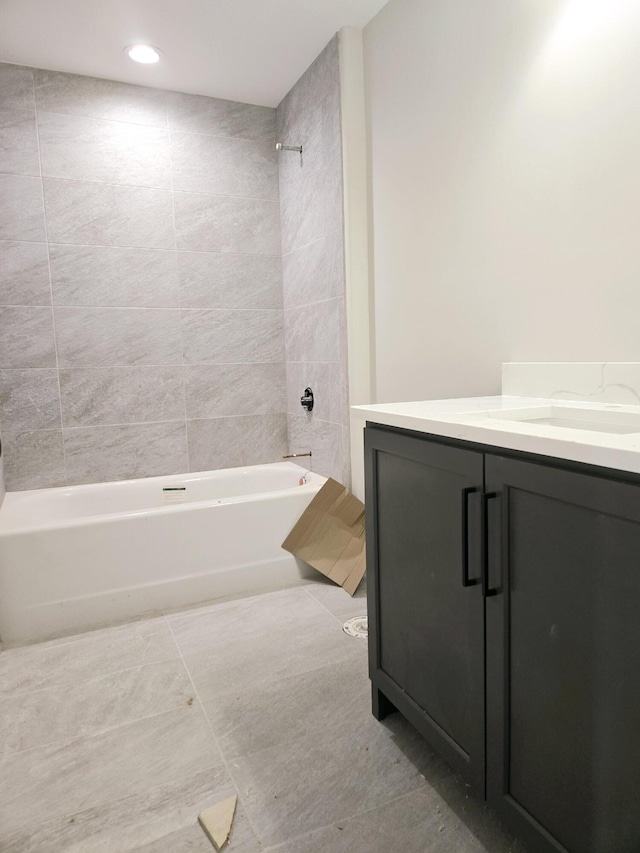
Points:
x=141 y=308
x=313 y=265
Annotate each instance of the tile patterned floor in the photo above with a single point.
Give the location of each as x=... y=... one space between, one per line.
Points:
x=114 y=741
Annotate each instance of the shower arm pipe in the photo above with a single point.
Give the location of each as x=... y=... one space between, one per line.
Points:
x=281 y=147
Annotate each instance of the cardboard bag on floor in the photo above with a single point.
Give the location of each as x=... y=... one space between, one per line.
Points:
x=329 y=536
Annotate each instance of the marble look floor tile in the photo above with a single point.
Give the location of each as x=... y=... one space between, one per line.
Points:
x=27 y=338
x=314 y=272
x=18 y=142
x=85 y=772
x=232 y=336
x=16 y=87
x=21 y=208
x=101 y=453
x=108 y=215
x=237 y=167
x=24 y=274
x=273 y=637
x=276 y=712
x=231 y=442
x=359 y=765
x=227 y=390
x=74 y=94
x=209 y=280
x=105 y=702
x=422 y=821
x=217 y=117
x=121 y=395
x=33 y=459
x=90 y=149
x=70 y=660
x=117 y=337
x=209 y=223
x=30 y=399
x=162 y=819
x=337 y=601
x=113 y=277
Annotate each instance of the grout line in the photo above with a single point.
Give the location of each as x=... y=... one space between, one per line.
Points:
x=144 y=248
x=96 y=733
x=213 y=734
x=177 y=272
x=311 y=242
x=53 y=313
x=317 y=302
x=148 y=187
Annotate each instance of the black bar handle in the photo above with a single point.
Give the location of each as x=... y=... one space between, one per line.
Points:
x=487 y=590
x=466 y=580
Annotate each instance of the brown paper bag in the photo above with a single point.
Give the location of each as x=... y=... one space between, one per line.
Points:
x=329 y=536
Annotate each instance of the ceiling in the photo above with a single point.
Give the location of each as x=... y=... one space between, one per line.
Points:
x=244 y=50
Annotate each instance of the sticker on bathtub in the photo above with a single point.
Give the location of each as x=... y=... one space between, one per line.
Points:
x=357 y=627
x=176 y=494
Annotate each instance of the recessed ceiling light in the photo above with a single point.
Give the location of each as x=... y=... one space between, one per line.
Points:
x=143 y=53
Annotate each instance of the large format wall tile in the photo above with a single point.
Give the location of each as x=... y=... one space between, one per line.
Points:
x=199 y=114
x=325 y=440
x=328 y=380
x=18 y=142
x=57 y=92
x=108 y=215
x=27 y=338
x=232 y=442
x=96 y=454
x=212 y=164
x=108 y=337
x=209 y=223
x=133 y=319
x=87 y=149
x=209 y=280
x=121 y=395
x=315 y=271
x=319 y=80
x=33 y=459
x=16 y=87
x=21 y=210
x=217 y=337
x=222 y=390
x=113 y=277
x=30 y=399
x=313 y=332
x=24 y=274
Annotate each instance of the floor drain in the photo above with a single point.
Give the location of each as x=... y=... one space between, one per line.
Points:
x=356 y=627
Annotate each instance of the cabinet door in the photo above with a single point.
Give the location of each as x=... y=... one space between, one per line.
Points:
x=426 y=611
x=563 y=657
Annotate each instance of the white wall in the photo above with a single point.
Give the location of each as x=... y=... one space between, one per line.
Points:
x=505 y=179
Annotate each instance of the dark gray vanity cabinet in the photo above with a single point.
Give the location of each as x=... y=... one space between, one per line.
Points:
x=548 y=640
x=426 y=615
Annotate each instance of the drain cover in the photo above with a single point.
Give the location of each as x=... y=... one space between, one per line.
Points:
x=356 y=627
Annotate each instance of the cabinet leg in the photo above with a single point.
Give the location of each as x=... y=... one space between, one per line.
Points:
x=381 y=707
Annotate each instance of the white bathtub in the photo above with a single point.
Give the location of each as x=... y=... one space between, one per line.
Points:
x=77 y=557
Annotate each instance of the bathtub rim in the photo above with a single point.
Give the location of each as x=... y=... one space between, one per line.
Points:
x=26 y=527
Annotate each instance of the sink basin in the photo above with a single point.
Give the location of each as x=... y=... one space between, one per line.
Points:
x=595 y=420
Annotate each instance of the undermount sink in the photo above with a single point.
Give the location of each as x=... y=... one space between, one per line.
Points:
x=595 y=420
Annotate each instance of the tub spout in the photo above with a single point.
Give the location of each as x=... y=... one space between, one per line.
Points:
x=295 y=455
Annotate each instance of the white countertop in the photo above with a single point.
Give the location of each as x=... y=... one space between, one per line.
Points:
x=474 y=419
